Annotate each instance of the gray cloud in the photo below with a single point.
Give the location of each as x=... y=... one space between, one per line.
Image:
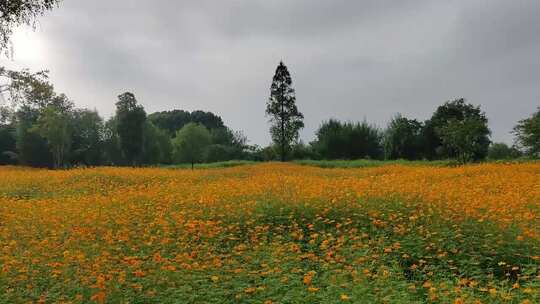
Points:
x=349 y=59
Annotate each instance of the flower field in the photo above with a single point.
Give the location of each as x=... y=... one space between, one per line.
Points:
x=271 y=233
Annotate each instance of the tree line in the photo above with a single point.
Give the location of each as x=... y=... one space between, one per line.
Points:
x=456 y=130
x=40 y=127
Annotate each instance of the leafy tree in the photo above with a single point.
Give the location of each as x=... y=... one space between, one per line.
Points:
x=431 y=141
x=32 y=149
x=171 y=121
x=285 y=119
x=6 y=114
x=226 y=145
x=331 y=142
x=32 y=90
x=111 y=143
x=191 y=143
x=7 y=144
x=130 y=119
x=465 y=138
x=500 y=151
x=403 y=139
x=302 y=151
x=157 y=146
x=53 y=125
x=453 y=112
x=87 y=137
x=174 y=120
x=218 y=153
x=30 y=95
x=207 y=119
x=337 y=140
x=527 y=133
x=269 y=153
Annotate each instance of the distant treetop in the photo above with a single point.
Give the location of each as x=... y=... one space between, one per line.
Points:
x=174 y=120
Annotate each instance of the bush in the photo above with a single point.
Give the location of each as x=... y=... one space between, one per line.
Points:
x=338 y=140
x=501 y=151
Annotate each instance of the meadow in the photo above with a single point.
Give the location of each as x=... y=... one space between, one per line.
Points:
x=271 y=233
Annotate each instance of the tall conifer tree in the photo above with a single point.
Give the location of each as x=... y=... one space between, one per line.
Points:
x=285 y=119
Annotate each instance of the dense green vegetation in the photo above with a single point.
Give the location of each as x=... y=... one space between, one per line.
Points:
x=40 y=127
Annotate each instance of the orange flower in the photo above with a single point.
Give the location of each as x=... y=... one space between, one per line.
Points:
x=99 y=297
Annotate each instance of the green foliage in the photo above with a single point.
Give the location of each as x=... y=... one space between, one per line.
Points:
x=7 y=145
x=285 y=119
x=207 y=119
x=53 y=125
x=367 y=163
x=191 y=144
x=303 y=151
x=403 y=139
x=111 y=143
x=32 y=149
x=171 y=121
x=226 y=145
x=157 y=148
x=347 y=140
x=220 y=153
x=130 y=119
x=453 y=121
x=174 y=120
x=527 y=133
x=501 y=151
x=87 y=137
x=215 y=165
x=268 y=153
x=27 y=89
x=465 y=138
x=33 y=101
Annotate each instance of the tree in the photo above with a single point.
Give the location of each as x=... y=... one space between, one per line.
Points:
x=500 y=151
x=285 y=119
x=207 y=119
x=111 y=143
x=527 y=133
x=403 y=139
x=53 y=125
x=174 y=120
x=191 y=143
x=32 y=149
x=465 y=138
x=18 y=12
x=302 y=151
x=7 y=144
x=170 y=121
x=130 y=119
x=226 y=145
x=338 y=140
x=157 y=146
x=452 y=112
x=24 y=88
x=87 y=137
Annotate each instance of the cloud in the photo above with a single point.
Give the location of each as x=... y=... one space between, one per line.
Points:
x=349 y=59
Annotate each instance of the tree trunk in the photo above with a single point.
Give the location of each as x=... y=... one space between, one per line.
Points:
x=192 y=165
x=282 y=134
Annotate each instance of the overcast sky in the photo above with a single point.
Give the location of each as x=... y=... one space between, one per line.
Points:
x=349 y=59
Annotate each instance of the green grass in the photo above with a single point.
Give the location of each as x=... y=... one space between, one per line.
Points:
x=367 y=163
x=224 y=164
